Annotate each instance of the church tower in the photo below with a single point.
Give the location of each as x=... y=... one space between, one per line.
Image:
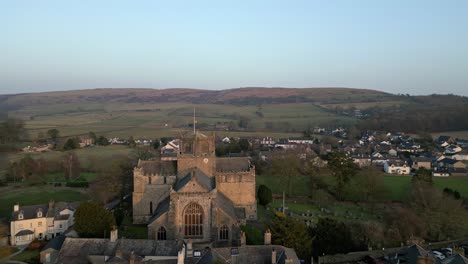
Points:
x=196 y=151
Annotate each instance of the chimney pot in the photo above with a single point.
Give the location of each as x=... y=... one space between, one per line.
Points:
x=114 y=234
x=16 y=207
x=267 y=237
x=273 y=256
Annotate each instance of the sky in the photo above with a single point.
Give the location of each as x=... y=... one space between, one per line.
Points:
x=396 y=46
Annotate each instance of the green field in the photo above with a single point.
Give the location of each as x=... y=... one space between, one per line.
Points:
x=397 y=186
x=89 y=157
x=36 y=195
x=169 y=119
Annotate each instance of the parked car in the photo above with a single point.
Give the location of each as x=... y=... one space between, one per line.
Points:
x=438 y=255
x=447 y=252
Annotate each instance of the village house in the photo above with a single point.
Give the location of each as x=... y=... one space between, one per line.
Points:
x=452 y=149
x=301 y=140
x=39 y=222
x=86 y=141
x=397 y=167
x=420 y=162
x=444 y=141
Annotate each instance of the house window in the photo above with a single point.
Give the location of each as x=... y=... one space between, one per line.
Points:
x=151 y=208
x=161 y=233
x=224 y=233
x=193 y=220
x=40 y=236
x=60 y=226
x=39 y=223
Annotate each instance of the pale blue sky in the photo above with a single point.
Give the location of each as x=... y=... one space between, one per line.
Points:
x=416 y=47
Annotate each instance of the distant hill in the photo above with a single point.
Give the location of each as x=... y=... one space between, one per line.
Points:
x=249 y=95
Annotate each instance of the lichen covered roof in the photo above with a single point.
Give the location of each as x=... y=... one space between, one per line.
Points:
x=151 y=167
x=77 y=250
x=237 y=164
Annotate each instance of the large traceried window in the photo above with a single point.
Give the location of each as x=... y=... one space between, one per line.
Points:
x=193 y=221
x=161 y=233
x=224 y=233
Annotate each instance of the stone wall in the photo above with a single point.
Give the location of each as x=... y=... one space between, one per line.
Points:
x=186 y=163
x=240 y=188
x=179 y=201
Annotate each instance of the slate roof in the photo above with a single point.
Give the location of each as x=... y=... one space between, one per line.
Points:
x=455 y=259
x=158 y=167
x=162 y=208
x=30 y=211
x=77 y=250
x=227 y=206
x=200 y=177
x=237 y=164
x=61 y=217
x=411 y=254
x=55 y=243
x=258 y=254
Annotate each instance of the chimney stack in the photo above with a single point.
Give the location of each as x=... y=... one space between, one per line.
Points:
x=181 y=255
x=243 y=238
x=16 y=207
x=189 y=248
x=267 y=237
x=51 y=204
x=273 y=256
x=132 y=258
x=114 y=234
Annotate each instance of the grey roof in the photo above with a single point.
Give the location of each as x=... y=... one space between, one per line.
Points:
x=455 y=259
x=61 y=217
x=236 y=164
x=77 y=250
x=55 y=243
x=162 y=208
x=199 y=176
x=158 y=167
x=258 y=254
x=30 y=211
x=227 y=206
x=24 y=232
x=411 y=254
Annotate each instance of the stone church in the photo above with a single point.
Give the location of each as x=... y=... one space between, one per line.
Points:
x=198 y=196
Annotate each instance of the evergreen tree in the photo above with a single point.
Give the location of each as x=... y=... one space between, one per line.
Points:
x=93 y=220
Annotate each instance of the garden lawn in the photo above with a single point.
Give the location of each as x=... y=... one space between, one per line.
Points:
x=27 y=256
x=36 y=195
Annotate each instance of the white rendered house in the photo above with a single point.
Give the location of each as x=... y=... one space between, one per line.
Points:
x=39 y=221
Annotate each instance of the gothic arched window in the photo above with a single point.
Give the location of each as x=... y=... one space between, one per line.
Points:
x=161 y=233
x=193 y=220
x=224 y=233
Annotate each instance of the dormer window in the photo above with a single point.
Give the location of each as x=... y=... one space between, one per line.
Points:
x=21 y=215
x=39 y=212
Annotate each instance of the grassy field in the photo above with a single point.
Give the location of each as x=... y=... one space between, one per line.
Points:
x=27 y=256
x=88 y=157
x=455 y=134
x=36 y=195
x=397 y=186
x=168 y=119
